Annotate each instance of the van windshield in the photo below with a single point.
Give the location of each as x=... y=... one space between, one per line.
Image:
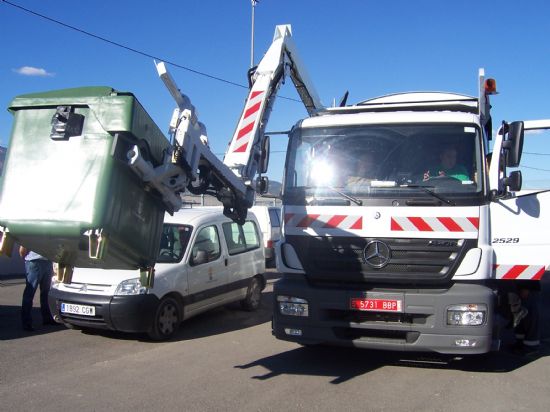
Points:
x=173 y=242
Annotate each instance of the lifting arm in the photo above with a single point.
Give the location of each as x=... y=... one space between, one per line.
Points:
x=192 y=166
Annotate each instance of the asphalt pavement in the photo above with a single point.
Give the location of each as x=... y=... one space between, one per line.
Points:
x=227 y=360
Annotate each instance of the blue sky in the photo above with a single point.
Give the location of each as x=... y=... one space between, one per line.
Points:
x=368 y=47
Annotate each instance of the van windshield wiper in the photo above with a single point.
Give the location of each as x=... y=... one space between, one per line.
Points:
x=431 y=193
x=358 y=202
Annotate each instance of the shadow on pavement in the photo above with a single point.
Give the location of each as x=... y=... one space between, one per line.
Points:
x=10 y=324
x=346 y=363
x=225 y=319
x=216 y=321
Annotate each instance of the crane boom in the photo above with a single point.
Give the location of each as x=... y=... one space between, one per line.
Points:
x=192 y=166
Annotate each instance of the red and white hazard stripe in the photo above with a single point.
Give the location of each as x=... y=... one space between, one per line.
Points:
x=519 y=272
x=246 y=125
x=434 y=224
x=318 y=221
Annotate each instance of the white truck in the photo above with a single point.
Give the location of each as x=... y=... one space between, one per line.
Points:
x=396 y=234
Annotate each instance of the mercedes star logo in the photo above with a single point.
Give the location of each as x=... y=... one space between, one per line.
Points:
x=377 y=254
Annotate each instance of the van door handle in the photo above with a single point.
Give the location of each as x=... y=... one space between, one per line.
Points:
x=226 y=261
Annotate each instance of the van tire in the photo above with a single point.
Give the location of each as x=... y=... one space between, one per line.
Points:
x=253 y=297
x=167 y=319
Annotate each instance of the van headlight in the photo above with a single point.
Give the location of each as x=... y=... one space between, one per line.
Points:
x=130 y=287
x=467 y=315
x=292 y=306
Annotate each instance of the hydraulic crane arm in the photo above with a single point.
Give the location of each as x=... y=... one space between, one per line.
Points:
x=192 y=166
x=244 y=153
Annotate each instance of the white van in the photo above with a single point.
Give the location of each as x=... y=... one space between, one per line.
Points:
x=205 y=260
x=269 y=218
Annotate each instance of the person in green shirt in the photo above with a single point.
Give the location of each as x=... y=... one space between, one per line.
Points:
x=447 y=167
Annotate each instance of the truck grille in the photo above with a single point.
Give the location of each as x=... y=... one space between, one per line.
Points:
x=341 y=259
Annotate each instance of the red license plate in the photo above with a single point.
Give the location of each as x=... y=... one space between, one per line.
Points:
x=376 y=305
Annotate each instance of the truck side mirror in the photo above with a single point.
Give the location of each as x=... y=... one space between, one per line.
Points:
x=514 y=181
x=262 y=185
x=264 y=155
x=514 y=144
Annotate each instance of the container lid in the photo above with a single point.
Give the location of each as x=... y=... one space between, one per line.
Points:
x=73 y=96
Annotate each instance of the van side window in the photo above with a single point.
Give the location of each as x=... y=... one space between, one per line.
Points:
x=173 y=242
x=206 y=247
x=241 y=238
x=250 y=235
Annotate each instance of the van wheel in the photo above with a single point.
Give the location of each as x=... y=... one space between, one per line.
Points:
x=167 y=319
x=253 y=295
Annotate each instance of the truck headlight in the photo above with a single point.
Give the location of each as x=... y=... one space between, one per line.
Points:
x=130 y=287
x=291 y=306
x=467 y=315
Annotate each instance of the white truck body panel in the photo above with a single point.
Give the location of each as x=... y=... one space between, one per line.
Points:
x=371 y=221
x=518 y=229
x=402 y=117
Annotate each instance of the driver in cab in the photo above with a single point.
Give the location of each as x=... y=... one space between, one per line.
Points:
x=364 y=171
x=448 y=166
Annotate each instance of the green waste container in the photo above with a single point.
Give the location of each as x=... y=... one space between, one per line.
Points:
x=67 y=191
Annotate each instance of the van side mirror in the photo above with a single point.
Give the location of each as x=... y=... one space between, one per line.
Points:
x=199 y=258
x=514 y=181
x=514 y=144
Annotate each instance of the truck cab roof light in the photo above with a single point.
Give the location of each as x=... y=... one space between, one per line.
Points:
x=490 y=86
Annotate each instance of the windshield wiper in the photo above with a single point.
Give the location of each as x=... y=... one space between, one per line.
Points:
x=431 y=193
x=358 y=202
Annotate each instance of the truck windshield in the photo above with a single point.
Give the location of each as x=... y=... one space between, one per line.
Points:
x=433 y=161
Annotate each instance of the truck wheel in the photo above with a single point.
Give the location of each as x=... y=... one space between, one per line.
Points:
x=167 y=319
x=253 y=295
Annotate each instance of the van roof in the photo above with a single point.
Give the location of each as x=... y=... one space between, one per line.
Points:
x=195 y=215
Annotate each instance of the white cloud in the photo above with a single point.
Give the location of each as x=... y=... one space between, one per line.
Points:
x=33 y=71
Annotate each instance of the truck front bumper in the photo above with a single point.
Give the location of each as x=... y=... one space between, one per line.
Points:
x=420 y=325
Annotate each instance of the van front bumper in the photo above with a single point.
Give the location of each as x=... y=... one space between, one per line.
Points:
x=123 y=313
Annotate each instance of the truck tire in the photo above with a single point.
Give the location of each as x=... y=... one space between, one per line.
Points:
x=167 y=319
x=253 y=297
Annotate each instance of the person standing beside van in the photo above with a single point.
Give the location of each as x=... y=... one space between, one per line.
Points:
x=38 y=272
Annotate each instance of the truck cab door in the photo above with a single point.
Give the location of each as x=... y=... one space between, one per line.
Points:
x=520 y=222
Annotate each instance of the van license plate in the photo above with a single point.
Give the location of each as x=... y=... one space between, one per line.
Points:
x=77 y=309
x=376 y=305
